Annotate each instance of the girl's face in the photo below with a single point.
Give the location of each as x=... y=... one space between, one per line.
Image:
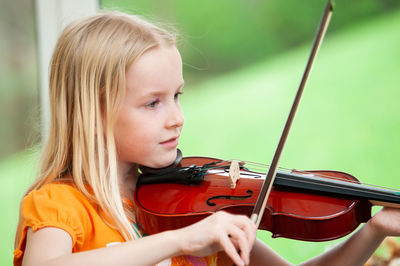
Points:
x=150 y=122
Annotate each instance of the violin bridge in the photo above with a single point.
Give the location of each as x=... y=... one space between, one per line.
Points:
x=234 y=173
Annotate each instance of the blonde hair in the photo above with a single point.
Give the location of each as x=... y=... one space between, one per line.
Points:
x=87 y=85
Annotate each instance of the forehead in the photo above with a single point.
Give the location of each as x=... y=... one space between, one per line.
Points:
x=158 y=68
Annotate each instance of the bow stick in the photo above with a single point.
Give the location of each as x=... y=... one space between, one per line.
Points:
x=259 y=207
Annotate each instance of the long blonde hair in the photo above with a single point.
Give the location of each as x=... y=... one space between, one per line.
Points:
x=87 y=85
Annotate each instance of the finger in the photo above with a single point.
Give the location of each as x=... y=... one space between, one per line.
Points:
x=239 y=237
x=230 y=250
x=244 y=223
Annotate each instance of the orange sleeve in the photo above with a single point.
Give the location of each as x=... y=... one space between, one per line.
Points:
x=55 y=205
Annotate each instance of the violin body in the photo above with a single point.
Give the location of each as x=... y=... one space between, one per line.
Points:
x=290 y=212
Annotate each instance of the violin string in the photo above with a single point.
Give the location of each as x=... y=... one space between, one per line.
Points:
x=350 y=189
x=332 y=185
x=263 y=167
x=216 y=166
x=260 y=167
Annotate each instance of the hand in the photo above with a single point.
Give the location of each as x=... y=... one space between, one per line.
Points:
x=235 y=234
x=386 y=222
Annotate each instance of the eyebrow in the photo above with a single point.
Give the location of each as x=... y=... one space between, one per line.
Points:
x=158 y=93
x=182 y=85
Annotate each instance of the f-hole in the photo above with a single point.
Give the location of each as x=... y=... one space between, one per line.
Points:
x=229 y=197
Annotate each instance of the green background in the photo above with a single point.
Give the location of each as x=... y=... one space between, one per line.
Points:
x=348 y=119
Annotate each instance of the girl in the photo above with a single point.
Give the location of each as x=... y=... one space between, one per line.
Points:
x=115 y=82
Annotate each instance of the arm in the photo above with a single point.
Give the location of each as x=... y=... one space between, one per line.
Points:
x=357 y=249
x=53 y=246
x=220 y=231
x=354 y=251
x=261 y=254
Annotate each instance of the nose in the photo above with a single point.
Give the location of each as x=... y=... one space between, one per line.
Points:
x=175 y=117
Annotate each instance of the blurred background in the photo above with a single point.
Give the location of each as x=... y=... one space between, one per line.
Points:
x=243 y=61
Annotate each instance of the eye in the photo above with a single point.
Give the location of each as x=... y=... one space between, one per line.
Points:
x=176 y=96
x=153 y=103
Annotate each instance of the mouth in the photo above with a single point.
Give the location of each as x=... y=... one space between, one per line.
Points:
x=172 y=142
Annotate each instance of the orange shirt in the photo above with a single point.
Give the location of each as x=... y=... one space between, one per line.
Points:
x=64 y=207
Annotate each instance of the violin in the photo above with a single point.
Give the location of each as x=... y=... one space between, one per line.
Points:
x=303 y=205
x=311 y=206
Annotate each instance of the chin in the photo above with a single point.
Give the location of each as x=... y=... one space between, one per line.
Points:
x=164 y=161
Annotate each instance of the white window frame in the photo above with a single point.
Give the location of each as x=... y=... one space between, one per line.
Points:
x=51 y=17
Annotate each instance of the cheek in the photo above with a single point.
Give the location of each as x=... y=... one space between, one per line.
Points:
x=130 y=147
x=135 y=140
x=125 y=134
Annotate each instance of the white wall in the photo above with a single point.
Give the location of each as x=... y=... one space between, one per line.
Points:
x=51 y=17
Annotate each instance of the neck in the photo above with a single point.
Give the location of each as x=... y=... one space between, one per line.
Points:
x=127 y=177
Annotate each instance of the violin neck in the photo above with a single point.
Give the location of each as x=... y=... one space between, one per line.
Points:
x=376 y=195
x=384 y=204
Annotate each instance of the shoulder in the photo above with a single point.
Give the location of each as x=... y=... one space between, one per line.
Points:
x=57 y=188
x=55 y=205
x=63 y=201
x=55 y=191
x=54 y=196
x=58 y=205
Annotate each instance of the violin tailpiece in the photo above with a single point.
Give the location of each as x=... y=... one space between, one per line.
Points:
x=234 y=172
